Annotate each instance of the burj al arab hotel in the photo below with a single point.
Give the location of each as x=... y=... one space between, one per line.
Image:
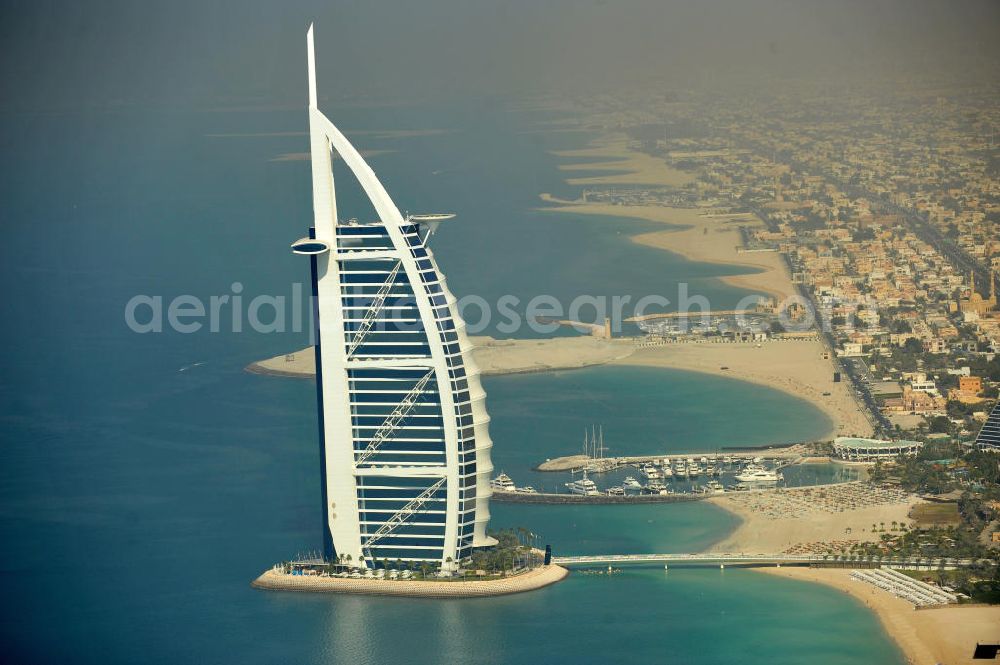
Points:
x=404 y=433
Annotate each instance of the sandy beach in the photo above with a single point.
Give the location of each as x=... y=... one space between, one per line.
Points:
x=493 y=356
x=700 y=238
x=944 y=635
x=796 y=367
x=811 y=520
x=624 y=166
x=516 y=356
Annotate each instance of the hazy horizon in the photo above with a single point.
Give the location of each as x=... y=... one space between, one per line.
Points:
x=183 y=54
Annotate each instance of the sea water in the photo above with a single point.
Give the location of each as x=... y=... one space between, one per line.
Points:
x=146 y=479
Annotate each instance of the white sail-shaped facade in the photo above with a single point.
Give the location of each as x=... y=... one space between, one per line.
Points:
x=404 y=432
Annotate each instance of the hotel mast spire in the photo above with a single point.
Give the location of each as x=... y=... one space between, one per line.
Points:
x=404 y=432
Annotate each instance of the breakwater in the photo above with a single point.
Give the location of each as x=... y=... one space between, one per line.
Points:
x=523 y=497
x=530 y=580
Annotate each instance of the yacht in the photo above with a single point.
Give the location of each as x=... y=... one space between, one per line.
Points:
x=584 y=486
x=681 y=471
x=714 y=487
x=755 y=473
x=631 y=483
x=650 y=472
x=616 y=491
x=668 y=472
x=694 y=471
x=527 y=489
x=503 y=483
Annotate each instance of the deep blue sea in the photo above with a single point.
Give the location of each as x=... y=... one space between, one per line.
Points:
x=146 y=479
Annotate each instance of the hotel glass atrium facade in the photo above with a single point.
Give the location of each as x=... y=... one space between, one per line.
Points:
x=404 y=437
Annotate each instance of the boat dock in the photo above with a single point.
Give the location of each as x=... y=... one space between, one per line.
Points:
x=787 y=455
x=540 y=497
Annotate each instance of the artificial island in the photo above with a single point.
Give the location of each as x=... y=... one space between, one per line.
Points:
x=403 y=428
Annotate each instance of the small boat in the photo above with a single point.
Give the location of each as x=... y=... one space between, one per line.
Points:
x=527 y=489
x=755 y=473
x=631 y=483
x=714 y=487
x=584 y=486
x=651 y=472
x=503 y=483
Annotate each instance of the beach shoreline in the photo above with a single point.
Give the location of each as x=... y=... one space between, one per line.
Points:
x=945 y=634
x=530 y=580
x=794 y=367
x=492 y=356
x=697 y=237
x=812 y=519
x=928 y=636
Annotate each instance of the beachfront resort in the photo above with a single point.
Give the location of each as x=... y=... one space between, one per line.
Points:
x=404 y=441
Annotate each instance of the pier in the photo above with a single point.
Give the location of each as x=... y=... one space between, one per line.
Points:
x=787 y=453
x=551 y=498
x=741 y=559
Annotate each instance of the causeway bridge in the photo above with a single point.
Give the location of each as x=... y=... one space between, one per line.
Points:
x=740 y=559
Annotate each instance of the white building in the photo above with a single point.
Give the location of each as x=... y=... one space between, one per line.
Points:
x=405 y=445
x=855 y=449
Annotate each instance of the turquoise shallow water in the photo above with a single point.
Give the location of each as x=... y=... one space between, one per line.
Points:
x=644 y=411
x=141 y=491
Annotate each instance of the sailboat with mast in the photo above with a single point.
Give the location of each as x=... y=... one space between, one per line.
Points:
x=593 y=448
